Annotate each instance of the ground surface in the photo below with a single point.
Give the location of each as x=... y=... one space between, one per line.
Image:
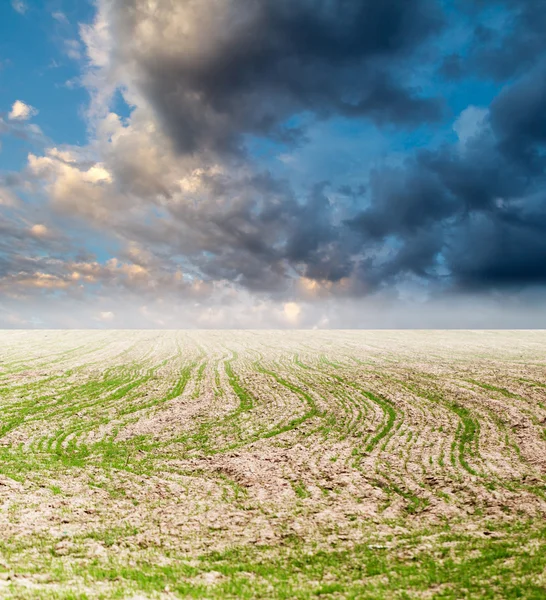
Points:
x=273 y=465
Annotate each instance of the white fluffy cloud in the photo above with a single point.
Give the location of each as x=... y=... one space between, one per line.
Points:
x=21 y=111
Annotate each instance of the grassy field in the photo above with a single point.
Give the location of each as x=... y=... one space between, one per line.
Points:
x=143 y=464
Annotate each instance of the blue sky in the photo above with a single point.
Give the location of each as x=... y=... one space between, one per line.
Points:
x=286 y=164
x=36 y=68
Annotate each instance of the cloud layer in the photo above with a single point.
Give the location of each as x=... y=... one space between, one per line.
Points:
x=193 y=193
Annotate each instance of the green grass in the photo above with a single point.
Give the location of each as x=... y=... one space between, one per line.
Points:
x=246 y=400
x=440 y=561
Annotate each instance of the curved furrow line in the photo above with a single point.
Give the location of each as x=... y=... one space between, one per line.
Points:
x=467 y=441
x=388 y=481
x=366 y=400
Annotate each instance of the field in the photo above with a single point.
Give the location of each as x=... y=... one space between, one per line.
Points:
x=348 y=464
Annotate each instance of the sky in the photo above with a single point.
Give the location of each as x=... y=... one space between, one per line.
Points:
x=272 y=163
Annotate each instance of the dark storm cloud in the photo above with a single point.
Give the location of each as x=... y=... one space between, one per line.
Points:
x=259 y=64
x=256 y=232
x=466 y=214
x=404 y=201
x=216 y=72
x=458 y=212
x=493 y=253
x=506 y=237
x=485 y=199
x=519 y=120
x=506 y=38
